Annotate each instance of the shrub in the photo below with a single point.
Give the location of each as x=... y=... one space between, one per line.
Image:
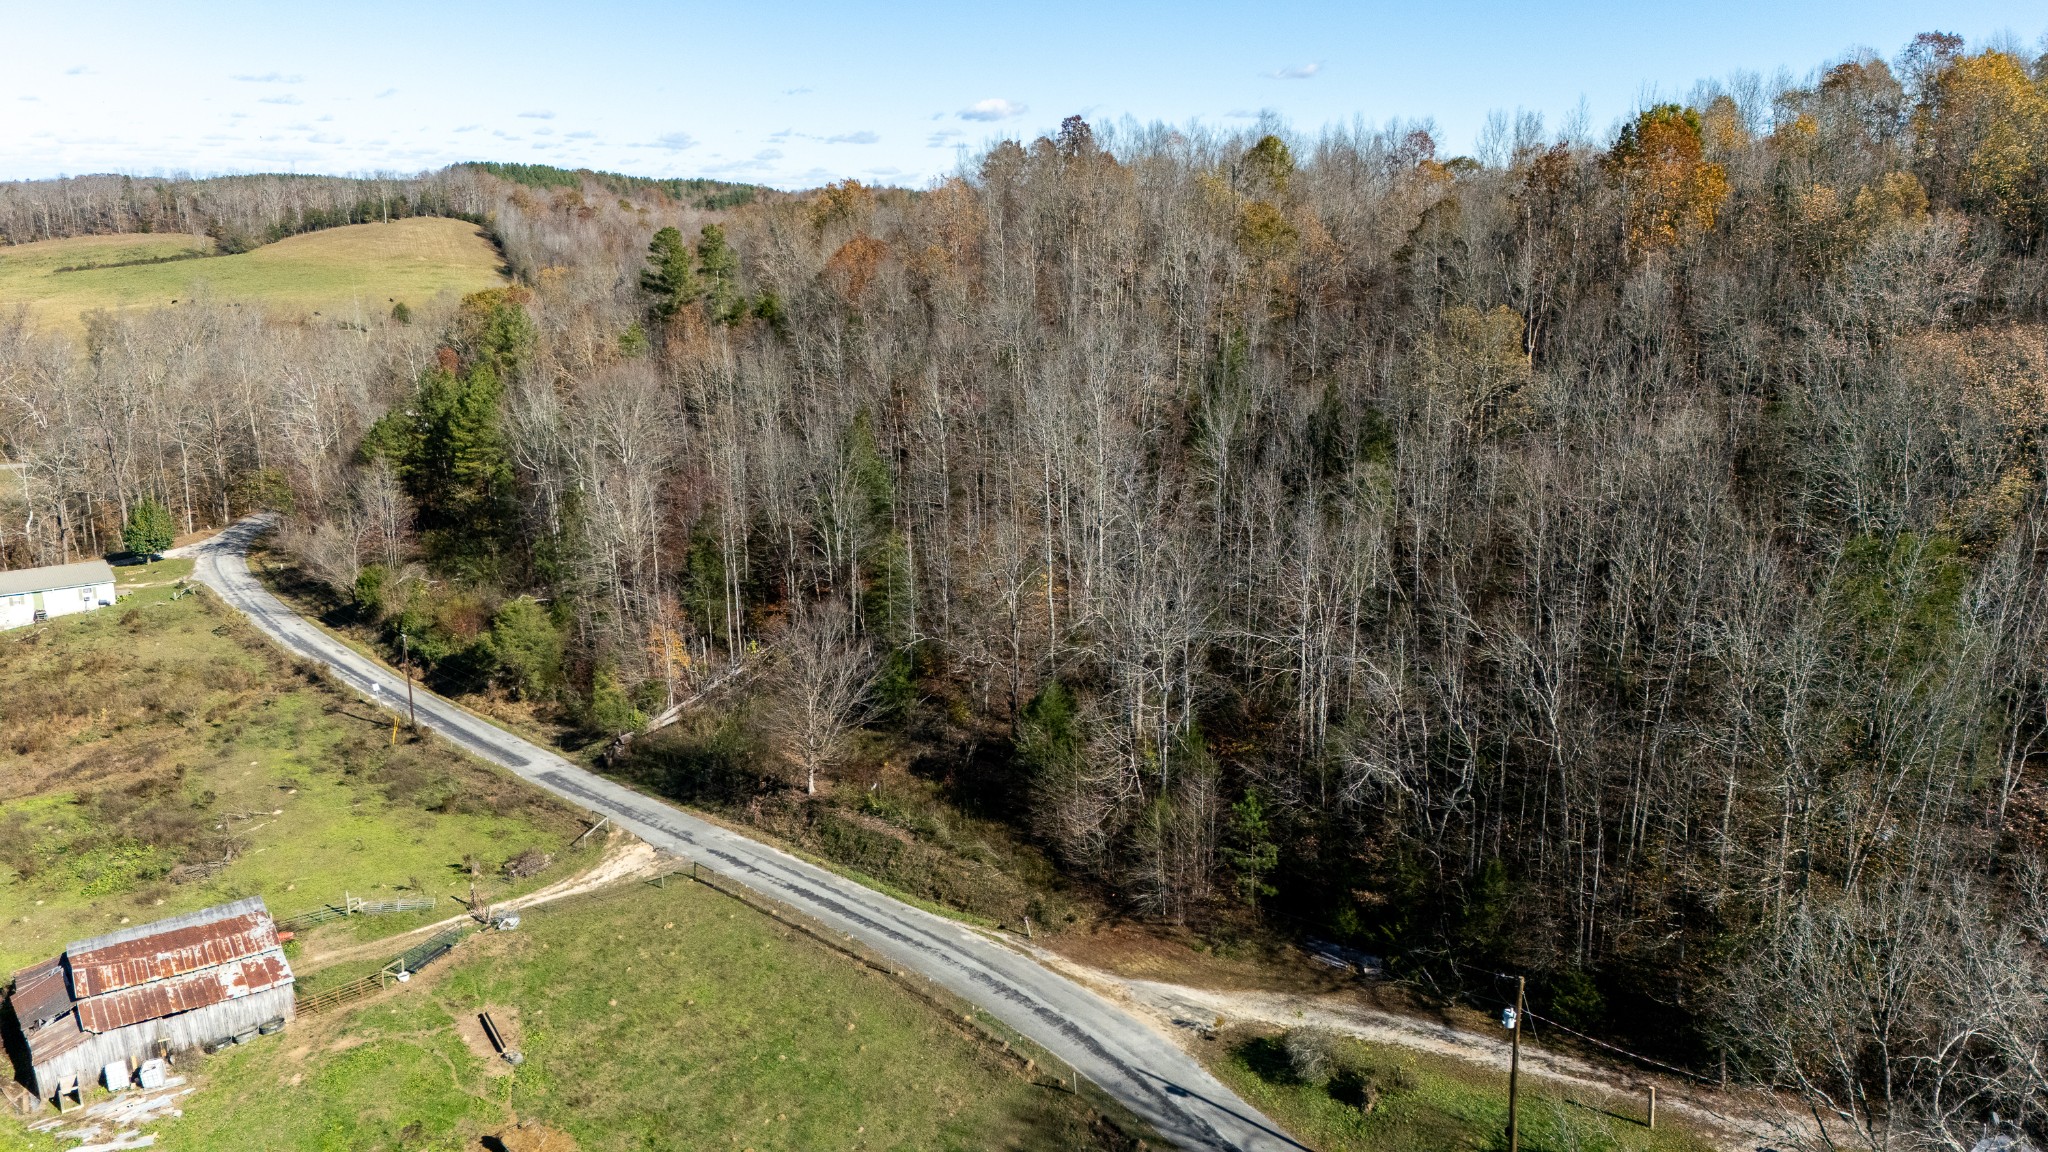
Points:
x=369 y=590
x=611 y=706
x=528 y=647
x=1313 y=1054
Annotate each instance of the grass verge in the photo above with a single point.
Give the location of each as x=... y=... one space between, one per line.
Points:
x=1424 y=1103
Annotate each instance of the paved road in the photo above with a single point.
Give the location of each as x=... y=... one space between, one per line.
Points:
x=1136 y=1065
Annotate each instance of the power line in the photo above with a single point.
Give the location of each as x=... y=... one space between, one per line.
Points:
x=1615 y=1048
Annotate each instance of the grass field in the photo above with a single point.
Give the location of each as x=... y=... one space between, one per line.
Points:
x=649 y=1018
x=158 y=756
x=1429 y=1104
x=338 y=272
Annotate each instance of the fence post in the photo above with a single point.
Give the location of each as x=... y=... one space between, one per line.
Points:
x=1653 y=1106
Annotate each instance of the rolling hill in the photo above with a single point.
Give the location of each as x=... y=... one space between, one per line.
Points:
x=332 y=272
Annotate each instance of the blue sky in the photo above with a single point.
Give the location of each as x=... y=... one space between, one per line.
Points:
x=794 y=94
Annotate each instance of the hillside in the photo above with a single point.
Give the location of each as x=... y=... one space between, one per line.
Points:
x=1611 y=564
x=334 y=272
x=157 y=757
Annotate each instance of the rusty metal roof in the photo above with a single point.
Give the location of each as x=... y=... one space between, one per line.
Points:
x=108 y=982
x=41 y=993
x=169 y=954
x=214 y=985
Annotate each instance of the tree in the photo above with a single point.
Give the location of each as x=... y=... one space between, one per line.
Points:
x=719 y=266
x=149 y=529
x=1249 y=850
x=1673 y=193
x=670 y=278
x=1981 y=133
x=825 y=681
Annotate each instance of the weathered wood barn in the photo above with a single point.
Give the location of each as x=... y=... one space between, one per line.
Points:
x=31 y=594
x=195 y=980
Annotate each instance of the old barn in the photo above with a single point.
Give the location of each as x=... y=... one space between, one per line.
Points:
x=31 y=594
x=195 y=980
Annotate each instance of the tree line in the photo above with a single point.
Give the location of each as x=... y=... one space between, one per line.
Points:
x=1619 y=561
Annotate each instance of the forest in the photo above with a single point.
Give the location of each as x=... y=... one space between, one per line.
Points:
x=1620 y=560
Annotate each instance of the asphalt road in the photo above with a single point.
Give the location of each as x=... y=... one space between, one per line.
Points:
x=1109 y=1046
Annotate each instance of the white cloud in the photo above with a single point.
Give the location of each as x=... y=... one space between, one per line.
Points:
x=676 y=141
x=581 y=136
x=287 y=99
x=992 y=109
x=761 y=161
x=77 y=70
x=536 y=115
x=795 y=91
x=1298 y=72
x=469 y=128
x=943 y=138
x=387 y=92
x=543 y=131
x=269 y=78
x=861 y=137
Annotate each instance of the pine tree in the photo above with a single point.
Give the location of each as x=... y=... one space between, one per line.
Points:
x=669 y=277
x=149 y=529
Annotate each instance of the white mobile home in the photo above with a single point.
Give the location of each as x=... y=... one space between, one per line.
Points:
x=31 y=594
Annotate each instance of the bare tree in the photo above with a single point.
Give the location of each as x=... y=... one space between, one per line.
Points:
x=825 y=680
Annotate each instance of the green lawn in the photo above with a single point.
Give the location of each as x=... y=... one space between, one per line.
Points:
x=650 y=1018
x=1431 y=1104
x=141 y=743
x=338 y=272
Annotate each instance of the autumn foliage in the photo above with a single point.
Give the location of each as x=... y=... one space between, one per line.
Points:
x=1673 y=193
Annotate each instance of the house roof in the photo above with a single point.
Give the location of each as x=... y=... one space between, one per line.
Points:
x=56 y=577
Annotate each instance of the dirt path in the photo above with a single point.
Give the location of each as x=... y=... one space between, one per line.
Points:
x=626 y=858
x=1737 y=1122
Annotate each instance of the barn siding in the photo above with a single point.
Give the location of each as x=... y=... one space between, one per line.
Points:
x=139 y=1042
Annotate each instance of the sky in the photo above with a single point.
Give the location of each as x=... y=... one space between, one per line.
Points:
x=796 y=93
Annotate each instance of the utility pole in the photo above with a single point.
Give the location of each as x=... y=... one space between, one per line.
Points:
x=1515 y=1065
x=412 y=713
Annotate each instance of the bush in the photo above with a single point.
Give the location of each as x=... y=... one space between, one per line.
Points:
x=369 y=590
x=1314 y=1055
x=1575 y=999
x=1323 y=1058
x=611 y=706
x=528 y=648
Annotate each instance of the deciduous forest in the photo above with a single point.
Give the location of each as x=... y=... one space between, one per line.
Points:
x=1618 y=559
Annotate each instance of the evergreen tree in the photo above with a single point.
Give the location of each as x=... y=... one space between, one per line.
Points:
x=149 y=529
x=669 y=277
x=719 y=266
